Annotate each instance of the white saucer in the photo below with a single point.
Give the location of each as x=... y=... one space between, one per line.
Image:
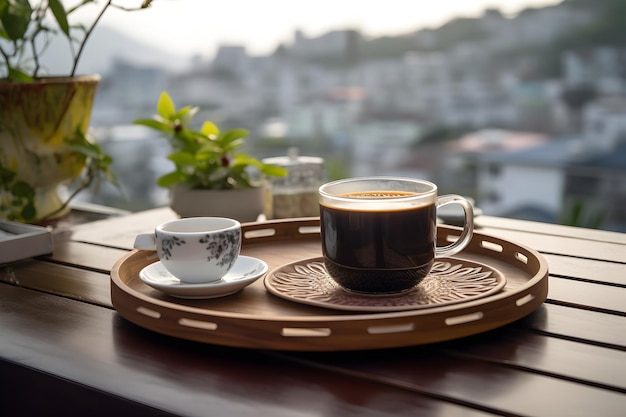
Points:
x=245 y=271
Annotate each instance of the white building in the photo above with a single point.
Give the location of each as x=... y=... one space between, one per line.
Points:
x=516 y=183
x=381 y=143
x=603 y=68
x=328 y=115
x=544 y=183
x=604 y=122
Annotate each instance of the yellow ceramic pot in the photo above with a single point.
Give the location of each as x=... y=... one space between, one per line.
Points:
x=41 y=123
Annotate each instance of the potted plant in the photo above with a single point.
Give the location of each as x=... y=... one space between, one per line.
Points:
x=44 y=119
x=211 y=177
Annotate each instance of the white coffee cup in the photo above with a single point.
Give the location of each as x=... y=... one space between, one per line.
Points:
x=195 y=249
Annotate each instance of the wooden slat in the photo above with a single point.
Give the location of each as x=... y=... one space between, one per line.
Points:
x=85 y=255
x=581 y=325
x=28 y=392
x=100 y=352
x=120 y=232
x=587 y=295
x=607 y=272
x=65 y=281
x=565 y=359
x=588 y=249
x=550 y=229
x=505 y=389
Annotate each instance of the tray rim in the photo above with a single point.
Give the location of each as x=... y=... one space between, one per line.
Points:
x=329 y=317
x=537 y=281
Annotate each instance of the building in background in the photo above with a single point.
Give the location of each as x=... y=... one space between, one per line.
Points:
x=483 y=106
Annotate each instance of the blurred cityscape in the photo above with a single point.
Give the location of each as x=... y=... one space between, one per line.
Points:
x=525 y=114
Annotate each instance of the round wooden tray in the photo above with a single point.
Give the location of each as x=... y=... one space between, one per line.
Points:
x=254 y=318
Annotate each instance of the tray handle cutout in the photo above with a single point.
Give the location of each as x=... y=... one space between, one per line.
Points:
x=259 y=233
x=491 y=246
x=309 y=230
x=198 y=324
x=524 y=300
x=148 y=312
x=521 y=257
x=463 y=319
x=393 y=328
x=305 y=332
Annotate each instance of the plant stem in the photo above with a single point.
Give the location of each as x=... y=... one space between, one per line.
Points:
x=87 y=34
x=110 y=3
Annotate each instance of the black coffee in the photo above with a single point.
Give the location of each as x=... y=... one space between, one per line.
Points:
x=378 y=251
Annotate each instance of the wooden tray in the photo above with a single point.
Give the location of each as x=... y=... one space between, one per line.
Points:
x=254 y=318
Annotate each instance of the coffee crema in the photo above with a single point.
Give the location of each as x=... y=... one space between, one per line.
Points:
x=379 y=194
x=378 y=249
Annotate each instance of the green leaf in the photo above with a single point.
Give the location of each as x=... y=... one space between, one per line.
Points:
x=22 y=189
x=209 y=151
x=242 y=159
x=196 y=134
x=233 y=135
x=209 y=129
x=182 y=158
x=273 y=170
x=241 y=178
x=229 y=147
x=165 y=106
x=220 y=174
x=186 y=114
x=29 y=212
x=15 y=18
x=59 y=14
x=154 y=124
x=173 y=178
x=19 y=76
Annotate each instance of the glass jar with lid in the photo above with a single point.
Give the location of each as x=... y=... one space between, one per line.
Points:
x=295 y=195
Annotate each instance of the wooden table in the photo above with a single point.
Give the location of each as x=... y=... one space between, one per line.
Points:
x=64 y=350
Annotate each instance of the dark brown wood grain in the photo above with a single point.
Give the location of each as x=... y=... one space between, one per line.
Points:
x=549 y=229
x=564 y=359
x=63 y=343
x=576 y=324
x=508 y=389
x=570 y=246
x=113 y=362
x=66 y=281
x=612 y=273
x=588 y=295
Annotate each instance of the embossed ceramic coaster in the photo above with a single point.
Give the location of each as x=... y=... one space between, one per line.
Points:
x=450 y=281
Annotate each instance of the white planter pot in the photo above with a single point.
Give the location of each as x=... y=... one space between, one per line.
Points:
x=244 y=205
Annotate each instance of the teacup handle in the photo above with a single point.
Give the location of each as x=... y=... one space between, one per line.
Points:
x=468 y=225
x=145 y=241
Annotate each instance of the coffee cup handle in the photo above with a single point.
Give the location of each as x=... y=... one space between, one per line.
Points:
x=145 y=241
x=468 y=228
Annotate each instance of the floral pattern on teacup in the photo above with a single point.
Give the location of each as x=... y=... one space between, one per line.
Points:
x=223 y=247
x=168 y=244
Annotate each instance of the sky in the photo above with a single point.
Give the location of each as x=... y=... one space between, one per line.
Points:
x=198 y=27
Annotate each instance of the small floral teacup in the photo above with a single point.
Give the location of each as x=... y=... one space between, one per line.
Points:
x=195 y=249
